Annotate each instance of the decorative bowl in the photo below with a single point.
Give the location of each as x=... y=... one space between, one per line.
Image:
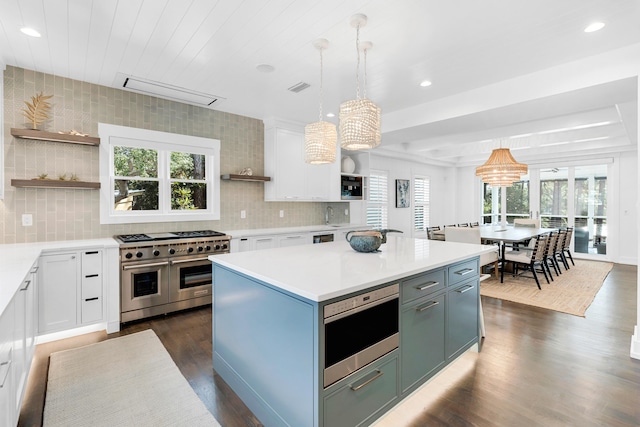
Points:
x=364 y=241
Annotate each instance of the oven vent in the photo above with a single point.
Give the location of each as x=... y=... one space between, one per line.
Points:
x=162 y=90
x=299 y=87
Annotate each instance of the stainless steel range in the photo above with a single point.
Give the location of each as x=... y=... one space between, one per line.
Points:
x=165 y=272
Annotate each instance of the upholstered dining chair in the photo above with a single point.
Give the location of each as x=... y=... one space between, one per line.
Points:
x=528 y=258
x=526 y=222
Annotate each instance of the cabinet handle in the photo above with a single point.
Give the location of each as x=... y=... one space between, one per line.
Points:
x=91 y=275
x=26 y=285
x=294 y=237
x=91 y=253
x=34 y=269
x=92 y=299
x=153 y=264
x=427 y=285
x=465 y=271
x=462 y=291
x=73 y=257
x=369 y=381
x=189 y=260
x=6 y=373
x=427 y=306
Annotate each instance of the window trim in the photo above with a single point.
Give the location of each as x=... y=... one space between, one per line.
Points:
x=427 y=204
x=164 y=143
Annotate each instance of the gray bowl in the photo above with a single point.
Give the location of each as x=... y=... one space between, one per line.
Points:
x=364 y=241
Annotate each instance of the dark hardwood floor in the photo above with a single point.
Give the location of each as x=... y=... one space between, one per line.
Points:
x=536 y=368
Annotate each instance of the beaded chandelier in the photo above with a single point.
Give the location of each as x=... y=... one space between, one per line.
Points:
x=501 y=169
x=360 y=118
x=320 y=137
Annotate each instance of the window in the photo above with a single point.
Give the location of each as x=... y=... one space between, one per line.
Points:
x=150 y=176
x=420 y=203
x=378 y=200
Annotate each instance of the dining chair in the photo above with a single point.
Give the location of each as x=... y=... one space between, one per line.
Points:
x=431 y=235
x=549 y=252
x=475 y=224
x=528 y=258
x=526 y=222
x=558 y=254
x=566 y=247
x=464 y=224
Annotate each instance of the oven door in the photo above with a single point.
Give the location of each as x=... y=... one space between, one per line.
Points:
x=190 y=278
x=144 y=284
x=359 y=337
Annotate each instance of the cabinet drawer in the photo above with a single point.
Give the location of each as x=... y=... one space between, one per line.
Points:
x=363 y=396
x=422 y=285
x=91 y=287
x=91 y=309
x=463 y=271
x=91 y=263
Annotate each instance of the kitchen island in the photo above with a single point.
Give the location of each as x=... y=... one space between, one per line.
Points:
x=271 y=340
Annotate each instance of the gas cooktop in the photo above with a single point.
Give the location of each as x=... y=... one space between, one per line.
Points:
x=132 y=238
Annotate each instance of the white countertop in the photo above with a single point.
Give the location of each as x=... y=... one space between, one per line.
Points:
x=16 y=261
x=239 y=234
x=329 y=270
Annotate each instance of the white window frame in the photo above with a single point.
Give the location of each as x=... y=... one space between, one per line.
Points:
x=421 y=203
x=164 y=143
x=383 y=205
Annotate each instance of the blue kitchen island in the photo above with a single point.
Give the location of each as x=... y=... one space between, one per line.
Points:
x=287 y=323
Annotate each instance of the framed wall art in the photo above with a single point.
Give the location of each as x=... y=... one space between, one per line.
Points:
x=403 y=199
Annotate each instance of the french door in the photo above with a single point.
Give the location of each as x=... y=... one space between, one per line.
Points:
x=574 y=196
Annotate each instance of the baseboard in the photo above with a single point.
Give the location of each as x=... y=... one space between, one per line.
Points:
x=627 y=260
x=54 y=336
x=635 y=343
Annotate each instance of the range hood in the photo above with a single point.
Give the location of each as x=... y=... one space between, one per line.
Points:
x=162 y=90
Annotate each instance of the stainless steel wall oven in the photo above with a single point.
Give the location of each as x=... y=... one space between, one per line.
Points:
x=165 y=272
x=359 y=330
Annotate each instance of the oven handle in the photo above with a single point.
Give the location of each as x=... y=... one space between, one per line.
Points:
x=154 y=264
x=182 y=261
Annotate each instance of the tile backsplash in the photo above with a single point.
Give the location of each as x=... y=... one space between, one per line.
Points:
x=74 y=214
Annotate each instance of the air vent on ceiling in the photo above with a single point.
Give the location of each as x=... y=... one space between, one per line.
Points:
x=166 y=91
x=299 y=87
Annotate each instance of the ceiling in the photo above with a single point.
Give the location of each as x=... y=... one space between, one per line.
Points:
x=213 y=48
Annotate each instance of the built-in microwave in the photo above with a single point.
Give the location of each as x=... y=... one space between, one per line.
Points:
x=323 y=238
x=351 y=188
x=359 y=330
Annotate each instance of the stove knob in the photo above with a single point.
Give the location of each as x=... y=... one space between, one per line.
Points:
x=217 y=248
x=225 y=246
x=200 y=248
x=139 y=254
x=207 y=248
x=128 y=255
x=190 y=250
x=156 y=252
x=172 y=251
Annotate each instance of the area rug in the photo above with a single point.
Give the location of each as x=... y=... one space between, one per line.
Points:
x=125 y=381
x=572 y=292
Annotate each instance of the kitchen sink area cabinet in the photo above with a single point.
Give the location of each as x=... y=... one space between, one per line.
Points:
x=291 y=178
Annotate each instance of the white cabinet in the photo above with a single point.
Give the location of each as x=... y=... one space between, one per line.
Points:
x=294 y=239
x=17 y=339
x=262 y=242
x=70 y=290
x=291 y=178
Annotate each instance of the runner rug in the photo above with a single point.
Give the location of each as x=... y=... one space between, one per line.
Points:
x=120 y=382
x=572 y=292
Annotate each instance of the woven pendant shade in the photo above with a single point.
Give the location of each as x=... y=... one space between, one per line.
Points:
x=501 y=169
x=359 y=124
x=320 y=140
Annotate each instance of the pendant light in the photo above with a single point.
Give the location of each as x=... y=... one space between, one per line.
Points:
x=501 y=169
x=320 y=138
x=360 y=118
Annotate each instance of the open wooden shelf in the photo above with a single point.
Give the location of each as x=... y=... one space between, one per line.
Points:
x=254 y=178
x=53 y=183
x=41 y=135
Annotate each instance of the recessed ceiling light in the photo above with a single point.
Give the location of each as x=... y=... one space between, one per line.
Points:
x=30 y=32
x=595 y=26
x=425 y=83
x=330 y=115
x=265 y=68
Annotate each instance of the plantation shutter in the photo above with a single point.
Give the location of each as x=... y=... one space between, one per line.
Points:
x=378 y=200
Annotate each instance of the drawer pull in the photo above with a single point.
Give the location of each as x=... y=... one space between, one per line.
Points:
x=427 y=285
x=427 y=306
x=26 y=285
x=467 y=288
x=91 y=253
x=369 y=381
x=465 y=271
x=7 y=366
x=92 y=299
x=91 y=275
x=34 y=269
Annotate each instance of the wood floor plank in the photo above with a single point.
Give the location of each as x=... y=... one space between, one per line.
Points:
x=536 y=367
